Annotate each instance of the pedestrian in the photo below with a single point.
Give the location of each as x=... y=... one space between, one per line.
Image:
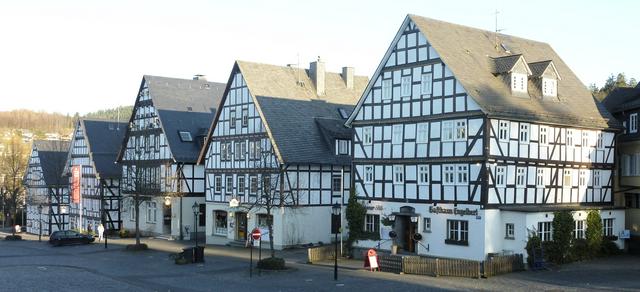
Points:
x=89 y=229
x=100 y=232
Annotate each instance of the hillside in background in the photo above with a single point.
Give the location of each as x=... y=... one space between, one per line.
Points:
x=122 y=113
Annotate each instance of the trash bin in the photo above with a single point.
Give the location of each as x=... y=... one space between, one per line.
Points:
x=198 y=254
x=188 y=254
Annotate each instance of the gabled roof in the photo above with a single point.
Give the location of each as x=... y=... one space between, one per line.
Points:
x=289 y=106
x=469 y=53
x=538 y=68
x=53 y=157
x=505 y=64
x=622 y=98
x=182 y=105
x=103 y=138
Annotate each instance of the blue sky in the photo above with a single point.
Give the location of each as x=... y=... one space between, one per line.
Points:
x=79 y=56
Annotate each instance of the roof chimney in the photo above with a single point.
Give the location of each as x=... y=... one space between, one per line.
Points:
x=200 y=77
x=317 y=74
x=347 y=76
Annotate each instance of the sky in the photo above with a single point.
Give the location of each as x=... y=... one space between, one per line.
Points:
x=80 y=56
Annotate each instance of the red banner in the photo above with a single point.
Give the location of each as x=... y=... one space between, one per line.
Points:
x=75 y=184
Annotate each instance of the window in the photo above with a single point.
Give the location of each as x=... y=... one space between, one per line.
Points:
x=406 y=86
x=520 y=177
x=132 y=213
x=543 y=136
x=252 y=150
x=367 y=135
x=449 y=175
x=423 y=174
x=266 y=185
x=426 y=224
x=229 y=186
x=258 y=149
x=223 y=151
x=633 y=123
x=151 y=212
x=241 y=149
x=626 y=164
x=253 y=185
x=202 y=216
x=343 y=147
x=457 y=232
x=220 y=223
x=549 y=87
x=566 y=182
x=501 y=176
x=596 y=179
x=232 y=119
x=398 y=174
x=578 y=232
x=263 y=220
x=585 y=139
x=422 y=135
x=372 y=223
x=336 y=184
x=387 y=89
x=462 y=176
x=607 y=227
x=241 y=184
x=518 y=83
x=425 y=83
x=245 y=117
x=218 y=184
x=447 y=131
x=569 y=139
x=540 y=178
x=582 y=178
x=503 y=131
x=509 y=231
x=461 y=130
x=397 y=134
x=544 y=231
x=524 y=133
x=185 y=136
x=600 y=143
x=368 y=174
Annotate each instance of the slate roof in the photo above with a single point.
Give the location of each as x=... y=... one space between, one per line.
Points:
x=538 y=68
x=469 y=53
x=505 y=64
x=53 y=157
x=622 y=98
x=287 y=100
x=104 y=138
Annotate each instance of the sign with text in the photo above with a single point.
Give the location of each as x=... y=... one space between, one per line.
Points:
x=76 y=175
x=454 y=211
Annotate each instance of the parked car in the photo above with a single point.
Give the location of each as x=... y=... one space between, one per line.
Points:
x=58 y=238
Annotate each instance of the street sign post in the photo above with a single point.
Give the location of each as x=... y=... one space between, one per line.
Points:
x=255 y=235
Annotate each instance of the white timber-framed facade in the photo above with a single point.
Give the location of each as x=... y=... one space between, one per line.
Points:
x=161 y=145
x=279 y=132
x=475 y=157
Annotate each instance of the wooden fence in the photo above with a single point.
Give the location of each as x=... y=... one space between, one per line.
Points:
x=440 y=267
x=390 y=263
x=321 y=253
x=497 y=265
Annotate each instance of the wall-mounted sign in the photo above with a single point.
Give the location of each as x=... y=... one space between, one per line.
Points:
x=625 y=234
x=76 y=175
x=233 y=203
x=374 y=207
x=454 y=211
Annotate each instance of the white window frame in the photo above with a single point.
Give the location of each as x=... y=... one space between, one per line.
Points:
x=336 y=184
x=579 y=229
x=253 y=185
x=447 y=131
x=398 y=174
x=219 y=230
x=597 y=179
x=397 y=132
x=245 y=117
x=567 y=178
x=540 y=176
x=423 y=174
x=461 y=130
x=426 y=224
x=371 y=221
x=405 y=86
x=585 y=139
x=368 y=174
x=367 y=135
x=152 y=208
x=521 y=178
x=545 y=229
x=607 y=226
x=229 y=185
x=600 y=141
x=549 y=87
x=503 y=131
x=387 y=89
x=518 y=83
x=426 y=83
x=543 y=136
x=232 y=118
x=343 y=147
x=422 y=133
x=241 y=184
x=449 y=174
x=462 y=174
x=633 y=123
x=501 y=176
x=509 y=231
x=524 y=134
x=582 y=178
x=217 y=184
x=458 y=231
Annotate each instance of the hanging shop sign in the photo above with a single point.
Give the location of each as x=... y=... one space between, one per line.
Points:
x=454 y=211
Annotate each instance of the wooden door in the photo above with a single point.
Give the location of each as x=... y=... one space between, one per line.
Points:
x=241 y=219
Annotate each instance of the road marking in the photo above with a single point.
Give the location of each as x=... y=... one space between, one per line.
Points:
x=42 y=268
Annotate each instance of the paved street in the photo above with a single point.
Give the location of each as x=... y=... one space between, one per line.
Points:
x=33 y=266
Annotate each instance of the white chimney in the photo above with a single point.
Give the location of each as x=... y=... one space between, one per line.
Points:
x=200 y=77
x=317 y=74
x=347 y=76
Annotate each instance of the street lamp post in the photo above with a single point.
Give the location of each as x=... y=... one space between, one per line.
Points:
x=196 y=210
x=335 y=226
x=40 y=223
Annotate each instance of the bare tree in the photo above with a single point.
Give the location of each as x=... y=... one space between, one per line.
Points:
x=13 y=164
x=141 y=184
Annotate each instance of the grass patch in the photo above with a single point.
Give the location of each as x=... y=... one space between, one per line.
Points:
x=13 y=237
x=271 y=264
x=137 y=247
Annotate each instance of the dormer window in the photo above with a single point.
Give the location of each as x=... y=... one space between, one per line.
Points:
x=342 y=147
x=519 y=82
x=549 y=87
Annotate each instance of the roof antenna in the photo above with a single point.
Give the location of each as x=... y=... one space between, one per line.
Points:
x=497 y=30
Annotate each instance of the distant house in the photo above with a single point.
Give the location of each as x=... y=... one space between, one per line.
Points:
x=161 y=145
x=467 y=141
x=94 y=148
x=624 y=104
x=46 y=188
x=279 y=134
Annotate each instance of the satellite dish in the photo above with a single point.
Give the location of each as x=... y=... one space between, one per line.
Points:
x=417 y=236
x=392 y=234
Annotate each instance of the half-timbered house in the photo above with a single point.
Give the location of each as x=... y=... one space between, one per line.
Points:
x=279 y=133
x=47 y=197
x=624 y=104
x=161 y=145
x=468 y=140
x=94 y=147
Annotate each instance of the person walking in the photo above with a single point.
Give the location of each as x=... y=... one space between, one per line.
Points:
x=100 y=232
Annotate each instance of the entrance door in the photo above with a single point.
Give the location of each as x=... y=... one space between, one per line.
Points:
x=166 y=219
x=405 y=230
x=241 y=229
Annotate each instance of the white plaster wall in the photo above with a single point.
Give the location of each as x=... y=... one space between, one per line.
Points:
x=187 y=216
